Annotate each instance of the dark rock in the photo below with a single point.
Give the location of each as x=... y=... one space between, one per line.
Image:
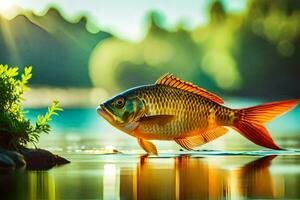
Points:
x=16 y=157
x=40 y=159
x=6 y=163
x=35 y=159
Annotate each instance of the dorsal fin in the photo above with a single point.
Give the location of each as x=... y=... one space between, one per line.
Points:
x=172 y=81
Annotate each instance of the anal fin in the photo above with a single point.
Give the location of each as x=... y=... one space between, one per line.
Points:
x=191 y=142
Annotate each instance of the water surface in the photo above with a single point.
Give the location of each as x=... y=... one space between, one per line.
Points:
x=94 y=176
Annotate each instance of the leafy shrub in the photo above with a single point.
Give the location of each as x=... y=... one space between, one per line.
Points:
x=15 y=129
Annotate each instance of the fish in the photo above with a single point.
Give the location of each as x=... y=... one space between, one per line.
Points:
x=176 y=110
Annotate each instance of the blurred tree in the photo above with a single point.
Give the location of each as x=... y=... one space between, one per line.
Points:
x=216 y=43
x=233 y=53
x=268 y=56
x=119 y=64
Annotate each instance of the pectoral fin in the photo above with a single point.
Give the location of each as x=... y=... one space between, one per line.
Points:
x=149 y=147
x=191 y=142
x=157 y=119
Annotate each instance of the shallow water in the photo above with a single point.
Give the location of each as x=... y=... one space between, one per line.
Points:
x=230 y=167
x=130 y=176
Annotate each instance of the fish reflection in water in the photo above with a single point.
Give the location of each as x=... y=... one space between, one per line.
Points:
x=255 y=179
x=182 y=177
x=195 y=178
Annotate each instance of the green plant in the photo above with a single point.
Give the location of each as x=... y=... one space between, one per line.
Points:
x=15 y=129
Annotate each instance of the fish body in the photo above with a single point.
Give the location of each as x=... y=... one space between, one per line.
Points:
x=172 y=109
x=178 y=113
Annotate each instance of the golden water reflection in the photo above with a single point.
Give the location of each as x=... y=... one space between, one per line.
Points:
x=182 y=177
x=194 y=178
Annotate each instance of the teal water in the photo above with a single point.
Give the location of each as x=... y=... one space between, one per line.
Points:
x=229 y=168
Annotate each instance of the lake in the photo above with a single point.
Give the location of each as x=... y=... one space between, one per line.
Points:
x=230 y=167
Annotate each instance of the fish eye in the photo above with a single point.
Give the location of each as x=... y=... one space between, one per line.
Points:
x=119 y=103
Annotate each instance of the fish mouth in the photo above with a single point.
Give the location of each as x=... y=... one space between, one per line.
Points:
x=103 y=112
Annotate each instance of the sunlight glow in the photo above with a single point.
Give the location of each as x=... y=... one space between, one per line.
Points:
x=7 y=9
x=5 y=4
x=109 y=148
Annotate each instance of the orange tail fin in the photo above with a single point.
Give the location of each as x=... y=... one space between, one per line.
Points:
x=250 y=121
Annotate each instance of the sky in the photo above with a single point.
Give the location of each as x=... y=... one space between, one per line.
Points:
x=125 y=19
